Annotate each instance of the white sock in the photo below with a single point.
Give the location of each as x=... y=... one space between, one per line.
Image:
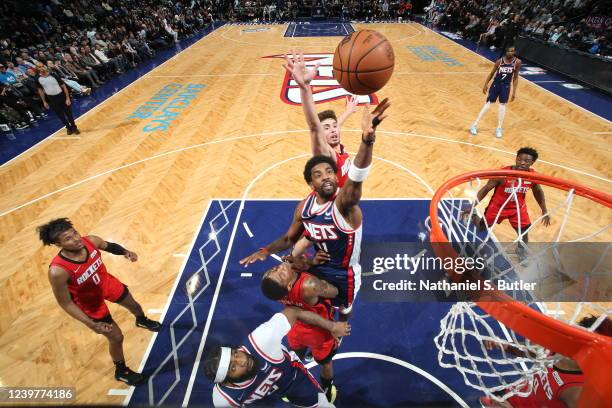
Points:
x=484 y=110
x=502 y=113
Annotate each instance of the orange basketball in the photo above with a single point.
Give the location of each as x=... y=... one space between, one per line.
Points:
x=363 y=62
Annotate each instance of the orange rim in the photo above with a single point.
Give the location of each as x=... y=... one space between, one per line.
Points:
x=592 y=351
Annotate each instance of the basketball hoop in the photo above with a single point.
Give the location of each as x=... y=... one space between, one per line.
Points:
x=524 y=326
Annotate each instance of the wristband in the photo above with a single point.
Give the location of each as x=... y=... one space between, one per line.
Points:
x=115 y=249
x=356 y=174
x=367 y=142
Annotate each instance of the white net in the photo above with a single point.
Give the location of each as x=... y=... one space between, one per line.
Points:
x=568 y=280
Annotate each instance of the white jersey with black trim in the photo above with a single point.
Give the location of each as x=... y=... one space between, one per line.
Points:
x=277 y=368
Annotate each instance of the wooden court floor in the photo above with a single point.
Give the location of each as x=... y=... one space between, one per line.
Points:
x=237 y=138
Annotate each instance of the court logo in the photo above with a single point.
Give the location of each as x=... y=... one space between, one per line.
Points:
x=325 y=88
x=163 y=108
x=431 y=53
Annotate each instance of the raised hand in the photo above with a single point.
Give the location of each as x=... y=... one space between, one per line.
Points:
x=370 y=120
x=351 y=103
x=299 y=72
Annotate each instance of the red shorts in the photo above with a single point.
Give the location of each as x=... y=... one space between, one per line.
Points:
x=512 y=215
x=318 y=340
x=94 y=306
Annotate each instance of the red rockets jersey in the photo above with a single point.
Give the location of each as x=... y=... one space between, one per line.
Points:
x=507 y=188
x=343 y=162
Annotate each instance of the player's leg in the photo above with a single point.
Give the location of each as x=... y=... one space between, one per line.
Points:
x=117 y=292
x=115 y=348
x=323 y=352
x=491 y=98
x=521 y=222
x=305 y=391
x=141 y=320
x=504 y=95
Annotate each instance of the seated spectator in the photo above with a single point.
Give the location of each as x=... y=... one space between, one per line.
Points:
x=10 y=67
x=83 y=73
x=488 y=36
x=6 y=77
x=23 y=65
x=56 y=69
x=27 y=109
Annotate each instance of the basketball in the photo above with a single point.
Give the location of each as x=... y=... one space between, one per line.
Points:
x=363 y=62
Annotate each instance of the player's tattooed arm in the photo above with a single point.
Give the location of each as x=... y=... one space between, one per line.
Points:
x=315 y=288
x=337 y=329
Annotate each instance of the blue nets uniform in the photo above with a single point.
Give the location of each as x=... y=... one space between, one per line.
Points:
x=502 y=82
x=330 y=232
x=280 y=372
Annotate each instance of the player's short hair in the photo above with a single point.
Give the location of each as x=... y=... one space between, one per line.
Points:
x=327 y=114
x=272 y=289
x=604 y=328
x=49 y=232
x=317 y=160
x=211 y=363
x=508 y=47
x=528 y=150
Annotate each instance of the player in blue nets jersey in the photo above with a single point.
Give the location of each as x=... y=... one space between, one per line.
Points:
x=262 y=369
x=331 y=218
x=506 y=72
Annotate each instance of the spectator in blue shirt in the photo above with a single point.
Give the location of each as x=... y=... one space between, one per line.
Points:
x=7 y=78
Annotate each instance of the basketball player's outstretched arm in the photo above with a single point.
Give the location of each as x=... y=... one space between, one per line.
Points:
x=482 y=193
x=303 y=76
x=490 y=77
x=59 y=277
x=286 y=241
x=538 y=193
x=112 y=248
x=350 y=194
x=351 y=107
x=515 y=77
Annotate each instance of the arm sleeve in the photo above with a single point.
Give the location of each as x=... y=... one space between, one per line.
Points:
x=266 y=339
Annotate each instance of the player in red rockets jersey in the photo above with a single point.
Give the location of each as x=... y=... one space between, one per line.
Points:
x=289 y=284
x=324 y=126
x=508 y=201
x=81 y=284
x=562 y=384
